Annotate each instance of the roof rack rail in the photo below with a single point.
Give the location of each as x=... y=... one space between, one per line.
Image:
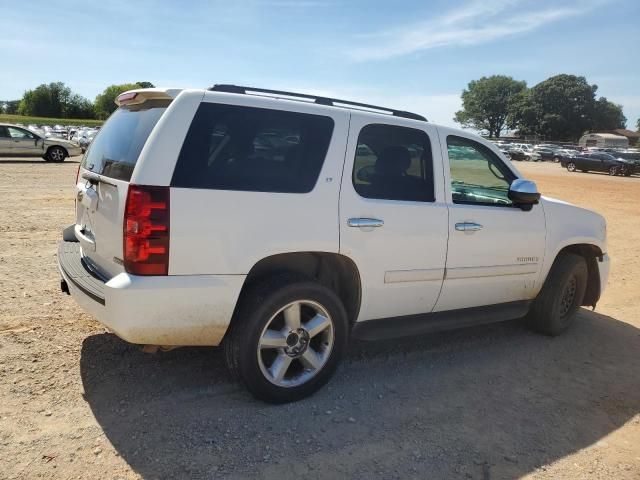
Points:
x=316 y=99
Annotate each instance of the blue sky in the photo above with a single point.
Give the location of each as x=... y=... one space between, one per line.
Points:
x=414 y=55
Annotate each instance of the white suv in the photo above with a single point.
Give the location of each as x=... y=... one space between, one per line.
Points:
x=278 y=225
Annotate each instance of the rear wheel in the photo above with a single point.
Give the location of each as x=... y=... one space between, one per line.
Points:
x=557 y=303
x=56 y=154
x=556 y=159
x=613 y=171
x=571 y=167
x=287 y=338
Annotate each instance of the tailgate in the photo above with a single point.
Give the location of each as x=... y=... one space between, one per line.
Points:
x=103 y=182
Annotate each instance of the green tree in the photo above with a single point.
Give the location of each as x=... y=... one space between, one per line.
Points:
x=608 y=115
x=9 y=106
x=45 y=100
x=486 y=103
x=54 y=100
x=562 y=107
x=105 y=102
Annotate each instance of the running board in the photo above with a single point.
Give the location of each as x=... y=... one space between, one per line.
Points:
x=420 y=324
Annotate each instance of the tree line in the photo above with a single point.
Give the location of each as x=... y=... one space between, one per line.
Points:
x=56 y=100
x=562 y=107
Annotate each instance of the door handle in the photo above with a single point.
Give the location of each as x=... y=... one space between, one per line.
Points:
x=365 y=222
x=468 y=227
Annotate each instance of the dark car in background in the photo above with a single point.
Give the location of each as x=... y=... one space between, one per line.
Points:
x=599 y=162
x=549 y=154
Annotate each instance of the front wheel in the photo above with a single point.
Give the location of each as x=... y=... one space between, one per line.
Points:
x=555 y=307
x=287 y=338
x=56 y=154
x=556 y=159
x=571 y=167
x=613 y=171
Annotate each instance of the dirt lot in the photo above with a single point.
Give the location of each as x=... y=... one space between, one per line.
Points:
x=485 y=402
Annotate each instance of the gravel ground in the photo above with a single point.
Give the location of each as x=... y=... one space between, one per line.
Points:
x=486 y=402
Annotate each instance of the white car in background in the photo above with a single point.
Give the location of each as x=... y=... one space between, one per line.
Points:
x=16 y=141
x=84 y=137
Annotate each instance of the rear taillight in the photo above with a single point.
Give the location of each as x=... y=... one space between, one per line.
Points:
x=146 y=230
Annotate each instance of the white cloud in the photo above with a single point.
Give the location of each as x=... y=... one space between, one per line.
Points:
x=475 y=23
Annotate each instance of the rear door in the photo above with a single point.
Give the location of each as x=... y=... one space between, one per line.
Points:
x=256 y=177
x=104 y=179
x=393 y=217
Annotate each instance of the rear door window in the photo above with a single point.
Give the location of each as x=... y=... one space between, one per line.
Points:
x=116 y=148
x=393 y=163
x=230 y=147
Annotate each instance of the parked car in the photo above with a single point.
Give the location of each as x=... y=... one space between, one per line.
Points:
x=19 y=142
x=599 y=162
x=187 y=233
x=547 y=153
x=84 y=137
x=520 y=153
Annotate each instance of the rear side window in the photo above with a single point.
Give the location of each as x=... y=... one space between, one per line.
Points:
x=231 y=147
x=115 y=150
x=393 y=163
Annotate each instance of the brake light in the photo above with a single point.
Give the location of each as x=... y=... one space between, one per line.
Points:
x=126 y=97
x=146 y=230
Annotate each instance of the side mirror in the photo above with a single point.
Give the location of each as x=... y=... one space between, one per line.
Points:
x=524 y=193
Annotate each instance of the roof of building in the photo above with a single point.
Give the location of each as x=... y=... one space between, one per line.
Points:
x=605 y=135
x=625 y=133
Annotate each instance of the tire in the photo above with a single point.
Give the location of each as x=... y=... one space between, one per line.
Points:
x=571 y=166
x=307 y=359
x=556 y=159
x=613 y=171
x=56 y=154
x=556 y=305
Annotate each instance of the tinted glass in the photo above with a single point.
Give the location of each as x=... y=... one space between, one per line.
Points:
x=231 y=147
x=478 y=176
x=115 y=150
x=4 y=132
x=393 y=163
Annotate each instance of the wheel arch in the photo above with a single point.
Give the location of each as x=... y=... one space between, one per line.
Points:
x=336 y=272
x=66 y=152
x=592 y=254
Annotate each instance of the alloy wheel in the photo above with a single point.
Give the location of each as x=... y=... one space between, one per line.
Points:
x=296 y=343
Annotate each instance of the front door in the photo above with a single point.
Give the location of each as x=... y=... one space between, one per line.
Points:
x=393 y=217
x=495 y=248
x=24 y=142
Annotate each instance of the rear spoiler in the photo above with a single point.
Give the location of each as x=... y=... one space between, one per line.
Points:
x=141 y=95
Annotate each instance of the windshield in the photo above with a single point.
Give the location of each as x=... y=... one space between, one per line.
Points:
x=116 y=148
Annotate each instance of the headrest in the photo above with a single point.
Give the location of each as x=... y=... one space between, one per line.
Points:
x=394 y=160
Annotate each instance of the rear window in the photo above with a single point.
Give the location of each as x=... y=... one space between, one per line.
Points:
x=117 y=146
x=231 y=147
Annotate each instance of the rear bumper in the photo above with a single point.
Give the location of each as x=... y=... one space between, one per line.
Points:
x=174 y=310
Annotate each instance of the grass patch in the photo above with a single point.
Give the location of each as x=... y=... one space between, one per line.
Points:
x=26 y=120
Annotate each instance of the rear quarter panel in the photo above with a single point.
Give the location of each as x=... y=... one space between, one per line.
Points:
x=227 y=232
